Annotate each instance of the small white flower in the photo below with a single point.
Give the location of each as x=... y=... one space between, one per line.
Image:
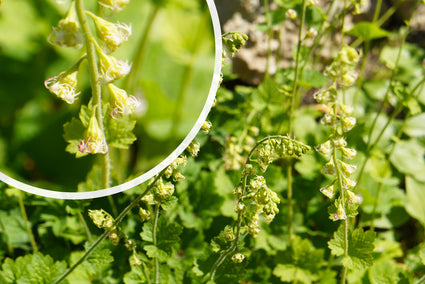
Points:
x=311 y=33
x=291 y=14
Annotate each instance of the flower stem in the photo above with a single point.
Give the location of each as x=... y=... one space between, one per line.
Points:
x=155 y=227
x=27 y=224
x=118 y=220
x=291 y=115
x=129 y=83
x=95 y=83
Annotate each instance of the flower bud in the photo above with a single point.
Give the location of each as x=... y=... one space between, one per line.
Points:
x=257 y=183
x=206 y=126
x=193 y=148
x=327 y=96
x=67 y=33
x=144 y=214
x=348 y=123
x=113 y=35
x=291 y=14
x=340 y=142
x=311 y=33
x=114 y=5
x=340 y=213
x=177 y=176
x=64 y=86
x=112 y=69
x=349 y=55
x=101 y=219
x=347 y=169
x=353 y=198
x=348 y=153
x=148 y=198
x=348 y=183
x=238 y=258
x=329 y=191
x=123 y=104
x=135 y=260
x=325 y=148
x=329 y=169
x=94 y=141
x=346 y=110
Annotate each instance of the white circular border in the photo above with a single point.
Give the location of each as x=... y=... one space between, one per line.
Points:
x=162 y=165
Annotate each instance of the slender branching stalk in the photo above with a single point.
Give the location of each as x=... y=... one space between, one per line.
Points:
x=105 y=234
x=27 y=223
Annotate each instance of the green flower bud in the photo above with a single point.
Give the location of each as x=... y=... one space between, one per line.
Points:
x=114 y=5
x=123 y=104
x=94 y=141
x=114 y=237
x=111 y=69
x=206 y=126
x=113 y=35
x=329 y=169
x=67 y=33
x=325 y=148
x=101 y=219
x=348 y=123
x=329 y=191
x=144 y=214
x=353 y=198
x=326 y=97
x=340 y=213
x=135 y=260
x=64 y=86
x=340 y=142
x=238 y=258
x=311 y=33
x=347 y=169
x=193 y=148
x=348 y=153
x=291 y=14
x=348 y=55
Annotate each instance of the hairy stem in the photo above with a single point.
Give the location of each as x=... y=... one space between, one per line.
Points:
x=95 y=83
x=155 y=227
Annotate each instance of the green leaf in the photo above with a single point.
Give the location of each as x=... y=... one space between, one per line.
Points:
x=153 y=251
x=291 y=273
x=384 y=271
x=303 y=263
x=313 y=78
x=135 y=276
x=422 y=254
x=368 y=31
x=408 y=158
x=99 y=260
x=360 y=247
x=415 y=126
x=119 y=132
x=34 y=269
x=416 y=199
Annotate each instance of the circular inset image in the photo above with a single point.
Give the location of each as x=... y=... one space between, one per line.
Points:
x=128 y=87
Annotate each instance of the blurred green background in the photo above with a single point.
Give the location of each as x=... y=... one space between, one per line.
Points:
x=173 y=81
